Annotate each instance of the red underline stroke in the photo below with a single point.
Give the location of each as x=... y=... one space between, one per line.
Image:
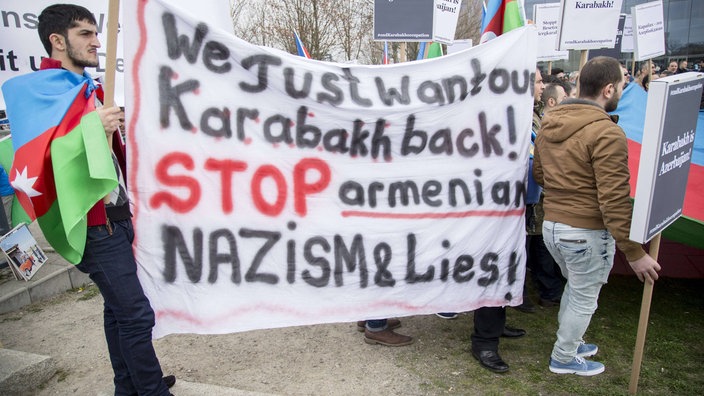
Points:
x=469 y=213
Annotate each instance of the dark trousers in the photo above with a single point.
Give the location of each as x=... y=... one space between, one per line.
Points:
x=489 y=323
x=128 y=317
x=545 y=272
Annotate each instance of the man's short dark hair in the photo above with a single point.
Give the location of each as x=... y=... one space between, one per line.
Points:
x=598 y=73
x=550 y=78
x=559 y=81
x=550 y=91
x=59 y=18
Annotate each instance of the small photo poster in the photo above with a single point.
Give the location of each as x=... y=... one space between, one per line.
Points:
x=23 y=253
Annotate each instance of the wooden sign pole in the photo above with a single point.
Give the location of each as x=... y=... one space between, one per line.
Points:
x=643 y=321
x=111 y=53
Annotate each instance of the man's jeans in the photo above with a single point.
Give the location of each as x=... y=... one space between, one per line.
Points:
x=544 y=271
x=585 y=258
x=128 y=317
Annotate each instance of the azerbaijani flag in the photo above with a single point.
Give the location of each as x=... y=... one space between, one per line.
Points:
x=302 y=51
x=62 y=163
x=385 y=54
x=498 y=17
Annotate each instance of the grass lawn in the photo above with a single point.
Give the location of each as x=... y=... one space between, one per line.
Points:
x=673 y=360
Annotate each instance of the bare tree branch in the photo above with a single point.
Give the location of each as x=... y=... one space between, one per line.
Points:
x=331 y=29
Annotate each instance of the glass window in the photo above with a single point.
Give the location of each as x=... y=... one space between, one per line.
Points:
x=677 y=27
x=696 y=32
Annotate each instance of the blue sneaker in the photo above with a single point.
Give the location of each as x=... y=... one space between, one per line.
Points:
x=586 y=350
x=578 y=365
x=447 y=315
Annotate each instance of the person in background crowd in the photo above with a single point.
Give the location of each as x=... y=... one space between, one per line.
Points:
x=672 y=67
x=683 y=67
x=627 y=76
x=645 y=75
x=534 y=191
x=581 y=160
x=559 y=73
x=544 y=270
x=553 y=95
x=567 y=87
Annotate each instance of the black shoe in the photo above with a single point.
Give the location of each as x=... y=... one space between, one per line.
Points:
x=512 y=332
x=547 y=303
x=526 y=307
x=169 y=380
x=491 y=360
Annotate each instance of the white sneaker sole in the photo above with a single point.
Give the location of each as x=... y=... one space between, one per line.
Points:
x=588 y=354
x=577 y=372
x=451 y=317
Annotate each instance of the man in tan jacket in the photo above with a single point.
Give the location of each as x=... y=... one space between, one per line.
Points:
x=581 y=160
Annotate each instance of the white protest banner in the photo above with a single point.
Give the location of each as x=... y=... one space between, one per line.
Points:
x=588 y=24
x=271 y=190
x=445 y=15
x=627 y=44
x=21 y=50
x=649 y=37
x=547 y=18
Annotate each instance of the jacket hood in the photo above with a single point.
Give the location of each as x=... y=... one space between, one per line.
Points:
x=570 y=116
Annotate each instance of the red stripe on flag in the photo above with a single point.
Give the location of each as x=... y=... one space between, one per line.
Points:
x=693 y=202
x=633 y=161
x=34 y=158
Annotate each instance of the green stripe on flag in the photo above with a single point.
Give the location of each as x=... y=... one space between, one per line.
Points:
x=83 y=173
x=434 y=50
x=512 y=16
x=71 y=248
x=7 y=154
x=686 y=230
